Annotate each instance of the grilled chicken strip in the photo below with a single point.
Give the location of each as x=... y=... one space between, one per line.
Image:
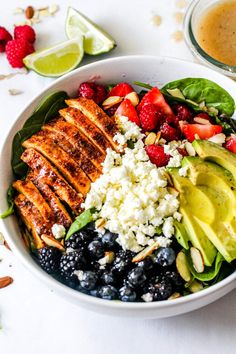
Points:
x=87 y=166
x=84 y=124
x=61 y=159
x=47 y=174
x=28 y=189
x=60 y=214
x=91 y=110
x=78 y=140
x=32 y=219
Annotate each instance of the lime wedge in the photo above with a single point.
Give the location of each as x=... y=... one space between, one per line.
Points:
x=57 y=60
x=96 y=40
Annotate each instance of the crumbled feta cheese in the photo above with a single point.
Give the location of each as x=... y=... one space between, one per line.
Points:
x=148 y=297
x=172 y=150
x=58 y=231
x=183 y=171
x=131 y=195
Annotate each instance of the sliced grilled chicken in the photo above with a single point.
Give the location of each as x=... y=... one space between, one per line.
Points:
x=84 y=124
x=60 y=214
x=91 y=110
x=61 y=159
x=78 y=140
x=87 y=166
x=32 y=219
x=28 y=189
x=48 y=175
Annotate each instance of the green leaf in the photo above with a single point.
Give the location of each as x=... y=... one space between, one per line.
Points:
x=143 y=84
x=210 y=272
x=200 y=90
x=80 y=221
x=47 y=109
x=10 y=201
x=181 y=234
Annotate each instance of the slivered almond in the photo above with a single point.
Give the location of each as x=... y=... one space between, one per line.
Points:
x=174 y=296
x=100 y=223
x=133 y=97
x=146 y=252
x=150 y=139
x=201 y=120
x=5 y=281
x=195 y=286
x=197 y=259
x=190 y=149
x=111 y=101
x=182 y=266
x=50 y=241
x=158 y=136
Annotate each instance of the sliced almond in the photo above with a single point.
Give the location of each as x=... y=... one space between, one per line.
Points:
x=50 y=241
x=150 y=139
x=99 y=223
x=107 y=259
x=15 y=92
x=197 y=259
x=133 y=97
x=169 y=179
x=201 y=120
x=5 y=281
x=156 y=20
x=111 y=101
x=158 y=136
x=195 y=286
x=52 y=9
x=29 y=12
x=218 y=139
x=173 y=191
x=182 y=266
x=145 y=252
x=196 y=136
x=174 y=296
x=190 y=149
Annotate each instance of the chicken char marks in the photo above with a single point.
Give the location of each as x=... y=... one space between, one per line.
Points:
x=64 y=158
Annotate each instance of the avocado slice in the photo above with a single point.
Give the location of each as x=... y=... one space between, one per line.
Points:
x=193 y=202
x=213 y=152
x=219 y=186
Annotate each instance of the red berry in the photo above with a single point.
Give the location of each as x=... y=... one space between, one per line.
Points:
x=231 y=143
x=157 y=155
x=127 y=109
x=204 y=116
x=92 y=91
x=122 y=89
x=182 y=151
x=149 y=117
x=154 y=96
x=5 y=37
x=203 y=131
x=111 y=111
x=169 y=133
x=26 y=33
x=182 y=112
x=16 y=51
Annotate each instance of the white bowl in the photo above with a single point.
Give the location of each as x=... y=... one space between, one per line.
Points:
x=153 y=70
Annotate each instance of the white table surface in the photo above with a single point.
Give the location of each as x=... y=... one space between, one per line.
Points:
x=33 y=318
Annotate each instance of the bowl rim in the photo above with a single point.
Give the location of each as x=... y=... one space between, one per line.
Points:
x=47 y=279
x=197 y=50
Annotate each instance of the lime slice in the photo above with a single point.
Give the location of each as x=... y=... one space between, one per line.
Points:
x=57 y=60
x=96 y=40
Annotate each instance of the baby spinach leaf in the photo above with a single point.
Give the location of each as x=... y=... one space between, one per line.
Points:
x=46 y=110
x=210 y=272
x=80 y=221
x=143 y=84
x=199 y=90
x=10 y=201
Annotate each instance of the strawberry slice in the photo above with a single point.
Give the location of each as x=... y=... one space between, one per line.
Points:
x=231 y=143
x=204 y=131
x=122 y=89
x=127 y=109
x=155 y=97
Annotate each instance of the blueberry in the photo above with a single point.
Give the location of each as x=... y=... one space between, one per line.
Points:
x=161 y=290
x=137 y=277
x=88 y=280
x=109 y=240
x=108 y=278
x=164 y=256
x=95 y=292
x=175 y=279
x=127 y=294
x=96 y=249
x=122 y=262
x=146 y=264
x=108 y=292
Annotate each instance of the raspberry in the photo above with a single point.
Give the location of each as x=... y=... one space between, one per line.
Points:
x=182 y=113
x=5 y=37
x=16 y=51
x=204 y=116
x=149 y=117
x=157 y=155
x=26 y=33
x=93 y=91
x=169 y=133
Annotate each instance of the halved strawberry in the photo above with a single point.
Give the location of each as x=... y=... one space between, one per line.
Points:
x=127 y=109
x=203 y=131
x=231 y=143
x=155 y=97
x=122 y=89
